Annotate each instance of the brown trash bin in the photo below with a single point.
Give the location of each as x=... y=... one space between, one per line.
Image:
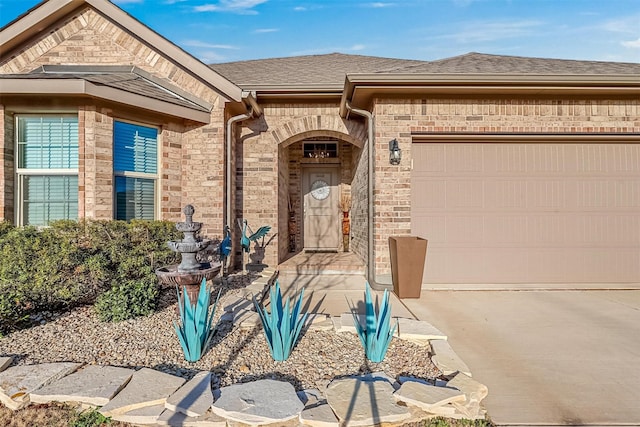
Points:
x=407 y=264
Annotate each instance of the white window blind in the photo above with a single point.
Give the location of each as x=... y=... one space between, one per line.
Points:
x=135 y=163
x=47 y=168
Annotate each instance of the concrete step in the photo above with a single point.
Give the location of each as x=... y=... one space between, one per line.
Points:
x=319 y=282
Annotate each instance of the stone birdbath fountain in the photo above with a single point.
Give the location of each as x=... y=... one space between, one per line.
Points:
x=190 y=272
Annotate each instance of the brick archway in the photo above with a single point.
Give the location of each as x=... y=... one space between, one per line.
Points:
x=320 y=126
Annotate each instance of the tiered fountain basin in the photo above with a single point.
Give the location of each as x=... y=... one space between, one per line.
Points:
x=189 y=273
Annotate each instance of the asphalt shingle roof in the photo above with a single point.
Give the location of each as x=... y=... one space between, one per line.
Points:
x=480 y=63
x=331 y=69
x=126 y=81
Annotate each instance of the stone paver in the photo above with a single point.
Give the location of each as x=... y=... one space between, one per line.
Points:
x=147 y=415
x=410 y=329
x=446 y=359
x=93 y=384
x=176 y=419
x=427 y=397
x=258 y=402
x=316 y=412
x=17 y=382
x=359 y=401
x=194 y=398
x=147 y=387
x=5 y=362
x=470 y=387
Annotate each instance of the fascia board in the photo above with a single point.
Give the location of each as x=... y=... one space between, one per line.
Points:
x=363 y=86
x=79 y=87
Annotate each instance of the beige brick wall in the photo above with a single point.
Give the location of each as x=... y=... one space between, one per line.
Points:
x=400 y=119
x=360 y=203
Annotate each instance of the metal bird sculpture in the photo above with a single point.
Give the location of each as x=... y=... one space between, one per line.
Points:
x=225 y=246
x=245 y=241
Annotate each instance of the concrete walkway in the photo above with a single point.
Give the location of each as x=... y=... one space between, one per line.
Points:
x=548 y=357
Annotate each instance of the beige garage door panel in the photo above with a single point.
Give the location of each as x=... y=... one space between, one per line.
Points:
x=528 y=213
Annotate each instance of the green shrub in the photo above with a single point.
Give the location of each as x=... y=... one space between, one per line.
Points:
x=73 y=262
x=128 y=300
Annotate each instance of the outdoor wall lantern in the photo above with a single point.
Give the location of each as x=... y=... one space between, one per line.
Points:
x=395 y=154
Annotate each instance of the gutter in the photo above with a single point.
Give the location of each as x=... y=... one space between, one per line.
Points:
x=253 y=110
x=371 y=137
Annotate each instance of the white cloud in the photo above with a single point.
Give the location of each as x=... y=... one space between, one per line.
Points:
x=209 y=57
x=266 y=30
x=628 y=24
x=632 y=43
x=243 y=7
x=379 y=5
x=198 y=43
x=173 y=1
x=491 y=31
x=324 y=50
x=299 y=8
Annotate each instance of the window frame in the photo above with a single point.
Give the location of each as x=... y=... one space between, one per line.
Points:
x=21 y=172
x=155 y=177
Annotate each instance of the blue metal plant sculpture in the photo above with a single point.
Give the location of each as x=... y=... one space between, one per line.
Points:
x=282 y=326
x=376 y=334
x=196 y=323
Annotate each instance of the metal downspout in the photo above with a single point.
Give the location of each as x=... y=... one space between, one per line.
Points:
x=230 y=123
x=371 y=273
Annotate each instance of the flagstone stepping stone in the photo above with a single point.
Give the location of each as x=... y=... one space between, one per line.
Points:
x=141 y=416
x=410 y=329
x=17 y=382
x=258 y=402
x=94 y=385
x=470 y=387
x=194 y=398
x=176 y=419
x=428 y=397
x=319 y=322
x=316 y=412
x=358 y=401
x=5 y=362
x=446 y=359
x=147 y=387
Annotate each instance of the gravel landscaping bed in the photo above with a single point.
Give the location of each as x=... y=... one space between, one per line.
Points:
x=235 y=355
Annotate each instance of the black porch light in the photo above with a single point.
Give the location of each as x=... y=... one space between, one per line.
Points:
x=395 y=154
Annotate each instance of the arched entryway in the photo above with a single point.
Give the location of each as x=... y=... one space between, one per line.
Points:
x=316 y=176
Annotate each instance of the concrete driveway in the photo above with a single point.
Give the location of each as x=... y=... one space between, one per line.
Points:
x=548 y=357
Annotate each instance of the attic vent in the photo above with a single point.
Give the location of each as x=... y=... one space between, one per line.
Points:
x=320 y=150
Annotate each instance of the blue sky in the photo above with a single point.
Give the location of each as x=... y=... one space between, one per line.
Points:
x=233 y=30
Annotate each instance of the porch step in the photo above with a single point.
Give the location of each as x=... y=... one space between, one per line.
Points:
x=322 y=271
x=321 y=282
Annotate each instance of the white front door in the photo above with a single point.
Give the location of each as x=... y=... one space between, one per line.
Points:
x=321 y=213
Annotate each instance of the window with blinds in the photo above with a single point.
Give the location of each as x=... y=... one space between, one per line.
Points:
x=135 y=164
x=47 y=168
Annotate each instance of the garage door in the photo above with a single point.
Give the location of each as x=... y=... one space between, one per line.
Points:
x=527 y=213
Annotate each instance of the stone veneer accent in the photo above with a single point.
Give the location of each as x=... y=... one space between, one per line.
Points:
x=403 y=119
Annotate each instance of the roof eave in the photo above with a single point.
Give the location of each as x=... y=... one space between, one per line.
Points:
x=80 y=87
x=359 y=88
